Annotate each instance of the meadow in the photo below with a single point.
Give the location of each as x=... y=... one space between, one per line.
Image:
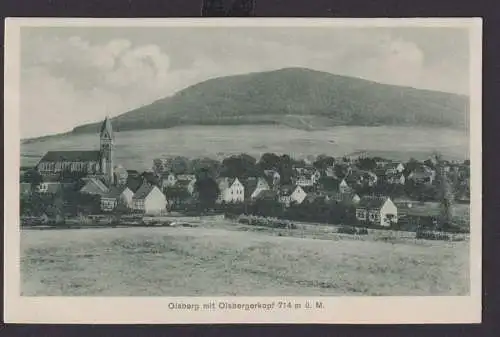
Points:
x=227 y=259
x=137 y=149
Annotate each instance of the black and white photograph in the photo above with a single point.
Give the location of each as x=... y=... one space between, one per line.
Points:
x=243 y=167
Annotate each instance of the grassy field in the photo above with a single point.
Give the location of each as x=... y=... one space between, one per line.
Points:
x=231 y=259
x=137 y=149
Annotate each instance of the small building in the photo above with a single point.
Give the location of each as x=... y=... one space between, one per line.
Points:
x=168 y=179
x=273 y=177
x=149 y=199
x=344 y=187
x=231 y=190
x=347 y=198
x=379 y=211
x=116 y=196
x=397 y=178
x=253 y=186
x=394 y=168
x=291 y=194
x=121 y=175
x=422 y=175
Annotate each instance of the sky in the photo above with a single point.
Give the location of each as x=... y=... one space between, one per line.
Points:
x=76 y=75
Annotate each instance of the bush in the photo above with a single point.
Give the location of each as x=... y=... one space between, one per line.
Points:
x=266 y=222
x=362 y=231
x=347 y=230
x=430 y=235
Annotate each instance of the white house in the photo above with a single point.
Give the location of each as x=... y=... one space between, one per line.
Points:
x=149 y=199
x=253 y=187
x=395 y=168
x=398 y=178
x=292 y=195
x=115 y=196
x=380 y=211
x=344 y=187
x=231 y=190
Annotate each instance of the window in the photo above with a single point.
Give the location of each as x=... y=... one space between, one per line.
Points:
x=361 y=214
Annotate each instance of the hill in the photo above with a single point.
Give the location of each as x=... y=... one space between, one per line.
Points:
x=297 y=97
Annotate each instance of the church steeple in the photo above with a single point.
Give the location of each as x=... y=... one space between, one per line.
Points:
x=107 y=151
x=106 y=129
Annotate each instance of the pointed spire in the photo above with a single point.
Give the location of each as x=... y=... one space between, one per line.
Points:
x=106 y=126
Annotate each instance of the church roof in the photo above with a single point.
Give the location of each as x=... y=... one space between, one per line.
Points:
x=106 y=126
x=76 y=156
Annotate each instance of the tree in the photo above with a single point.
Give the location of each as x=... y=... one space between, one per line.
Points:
x=367 y=164
x=240 y=166
x=206 y=165
x=323 y=161
x=207 y=190
x=34 y=178
x=445 y=193
x=269 y=161
x=180 y=165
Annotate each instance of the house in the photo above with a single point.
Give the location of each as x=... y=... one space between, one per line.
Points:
x=360 y=177
x=292 y=194
x=349 y=198
x=116 y=196
x=422 y=175
x=397 y=178
x=231 y=190
x=168 y=179
x=330 y=172
x=273 y=178
x=134 y=183
x=379 y=211
x=186 y=177
x=394 y=168
x=304 y=179
x=149 y=199
x=344 y=187
x=188 y=185
x=253 y=187
x=93 y=185
x=24 y=188
x=121 y=175
x=133 y=173
x=52 y=185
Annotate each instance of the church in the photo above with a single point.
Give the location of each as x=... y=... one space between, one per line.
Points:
x=98 y=163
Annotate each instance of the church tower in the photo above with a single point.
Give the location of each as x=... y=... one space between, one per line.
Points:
x=107 y=151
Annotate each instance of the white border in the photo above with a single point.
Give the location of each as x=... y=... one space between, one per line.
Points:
x=122 y=310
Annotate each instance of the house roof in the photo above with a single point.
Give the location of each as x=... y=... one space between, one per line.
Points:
x=114 y=192
x=183 y=183
x=287 y=189
x=372 y=202
x=134 y=183
x=225 y=182
x=143 y=191
x=250 y=186
x=73 y=156
x=94 y=186
x=267 y=194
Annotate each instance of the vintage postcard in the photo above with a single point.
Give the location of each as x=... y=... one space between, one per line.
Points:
x=243 y=170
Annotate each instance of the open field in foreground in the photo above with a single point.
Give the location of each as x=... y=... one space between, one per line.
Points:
x=220 y=261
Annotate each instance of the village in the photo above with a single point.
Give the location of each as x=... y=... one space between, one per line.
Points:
x=353 y=190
